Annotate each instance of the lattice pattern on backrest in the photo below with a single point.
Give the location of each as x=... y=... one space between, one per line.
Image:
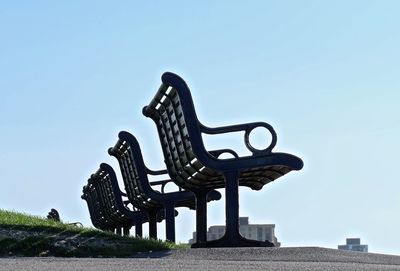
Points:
x=131 y=177
x=174 y=134
x=109 y=196
x=94 y=216
x=95 y=206
x=103 y=197
x=169 y=115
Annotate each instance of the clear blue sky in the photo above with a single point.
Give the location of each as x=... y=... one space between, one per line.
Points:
x=325 y=74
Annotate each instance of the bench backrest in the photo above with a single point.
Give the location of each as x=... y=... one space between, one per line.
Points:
x=104 y=200
x=109 y=195
x=173 y=112
x=134 y=172
x=96 y=210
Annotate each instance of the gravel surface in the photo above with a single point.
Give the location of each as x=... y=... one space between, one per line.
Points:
x=231 y=259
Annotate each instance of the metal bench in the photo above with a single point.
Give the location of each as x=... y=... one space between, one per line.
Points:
x=195 y=168
x=94 y=204
x=140 y=191
x=106 y=206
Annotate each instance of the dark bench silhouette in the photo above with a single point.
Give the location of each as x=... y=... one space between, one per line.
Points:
x=94 y=203
x=107 y=209
x=194 y=168
x=98 y=216
x=140 y=192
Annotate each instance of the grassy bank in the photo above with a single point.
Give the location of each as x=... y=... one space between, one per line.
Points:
x=26 y=235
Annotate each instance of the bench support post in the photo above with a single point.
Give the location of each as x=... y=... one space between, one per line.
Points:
x=138 y=229
x=170 y=222
x=153 y=224
x=201 y=218
x=232 y=237
x=232 y=207
x=126 y=230
x=118 y=231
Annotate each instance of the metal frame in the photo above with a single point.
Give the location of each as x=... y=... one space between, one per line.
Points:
x=194 y=168
x=140 y=190
x=107 y=209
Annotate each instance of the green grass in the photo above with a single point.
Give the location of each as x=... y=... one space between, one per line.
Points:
x=27 y=235
x=10 y=218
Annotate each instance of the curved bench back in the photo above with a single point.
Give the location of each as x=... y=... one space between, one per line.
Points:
x=109 y=198
x=134 y=172
x=96 y=209
x=174 y=114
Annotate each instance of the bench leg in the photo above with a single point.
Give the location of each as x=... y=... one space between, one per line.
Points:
x=170 y=222
x=118 y=231
x=138 y=229
x=232 y=237
x=153 y=224
x=126 y=230
x=232 y=206
x=201 y=218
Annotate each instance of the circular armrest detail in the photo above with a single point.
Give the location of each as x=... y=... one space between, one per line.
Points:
x=262 y=151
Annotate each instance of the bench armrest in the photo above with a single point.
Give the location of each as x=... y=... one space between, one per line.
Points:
x=247 y=128
x=217 y=153
x=163 y=183
x=156 y=172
